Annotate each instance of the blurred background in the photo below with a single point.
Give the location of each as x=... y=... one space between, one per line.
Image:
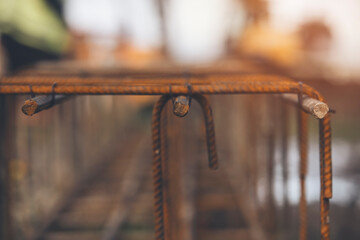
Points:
x=82 y=169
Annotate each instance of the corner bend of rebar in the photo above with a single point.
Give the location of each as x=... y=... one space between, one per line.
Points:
x=325 y=143
x=309 y=91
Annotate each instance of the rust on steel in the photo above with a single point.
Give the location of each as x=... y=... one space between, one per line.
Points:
x=204 y=84
x=157 y=169
x=181 y=106
x=161 y=213
x=310 y=105
x=210 y=130
x=154 y=79
x=326 y=176
x=221 y=84
x=40 y=103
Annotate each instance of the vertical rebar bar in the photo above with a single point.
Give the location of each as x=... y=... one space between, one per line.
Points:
x=157 y=169
x=210 y=130
x=325 y=175
x=159 y=155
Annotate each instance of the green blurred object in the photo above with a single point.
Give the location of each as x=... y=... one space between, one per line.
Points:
x=33 y=23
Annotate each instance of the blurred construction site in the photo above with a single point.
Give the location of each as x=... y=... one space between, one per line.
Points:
x=82 y=169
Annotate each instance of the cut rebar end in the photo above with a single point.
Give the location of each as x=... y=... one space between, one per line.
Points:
x=320 y=110
x=310 y=105
x=181 y=106
x=29 y=107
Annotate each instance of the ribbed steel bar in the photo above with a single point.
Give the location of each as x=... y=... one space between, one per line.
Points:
x=219 y=84
x=179 y=79
x=325 y=143
x=161 y=213
x=161 y=89
x=310 y=105
x=325 y=176
x=210 y=130
x=157 y=168
x=40 y=103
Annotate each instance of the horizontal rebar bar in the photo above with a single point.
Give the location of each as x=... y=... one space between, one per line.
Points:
x=312 y=102
x=144 y=79
x=40 y=103
x=250 y=84
x=140 y=80
x=310 y=105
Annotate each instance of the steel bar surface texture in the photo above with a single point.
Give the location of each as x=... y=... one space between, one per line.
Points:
x=222 y=84
x=165 y=85
x=161 y=214
x=312 y=106
x=326 y=176
x=157 y=168
x=210 y=131
x=148 y=79
x=40 y=103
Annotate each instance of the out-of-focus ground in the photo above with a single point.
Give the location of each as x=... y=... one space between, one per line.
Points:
x=71 y=166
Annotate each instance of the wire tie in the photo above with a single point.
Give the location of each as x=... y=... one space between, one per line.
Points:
x=32 y=94
x=52 y=103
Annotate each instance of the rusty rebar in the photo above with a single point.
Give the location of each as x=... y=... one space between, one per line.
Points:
x=157 y=168
x=161 y=213
x=325 y=176
x=219 y=84
x=210 y=85
x=210 y=130
x=181 y=106
x=145 y=79
x=325 y=151
x=40 y=103
x=310 y=105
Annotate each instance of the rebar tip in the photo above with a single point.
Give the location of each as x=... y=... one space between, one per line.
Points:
x=29 y=107
x=320 y=110
x=181 y=106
